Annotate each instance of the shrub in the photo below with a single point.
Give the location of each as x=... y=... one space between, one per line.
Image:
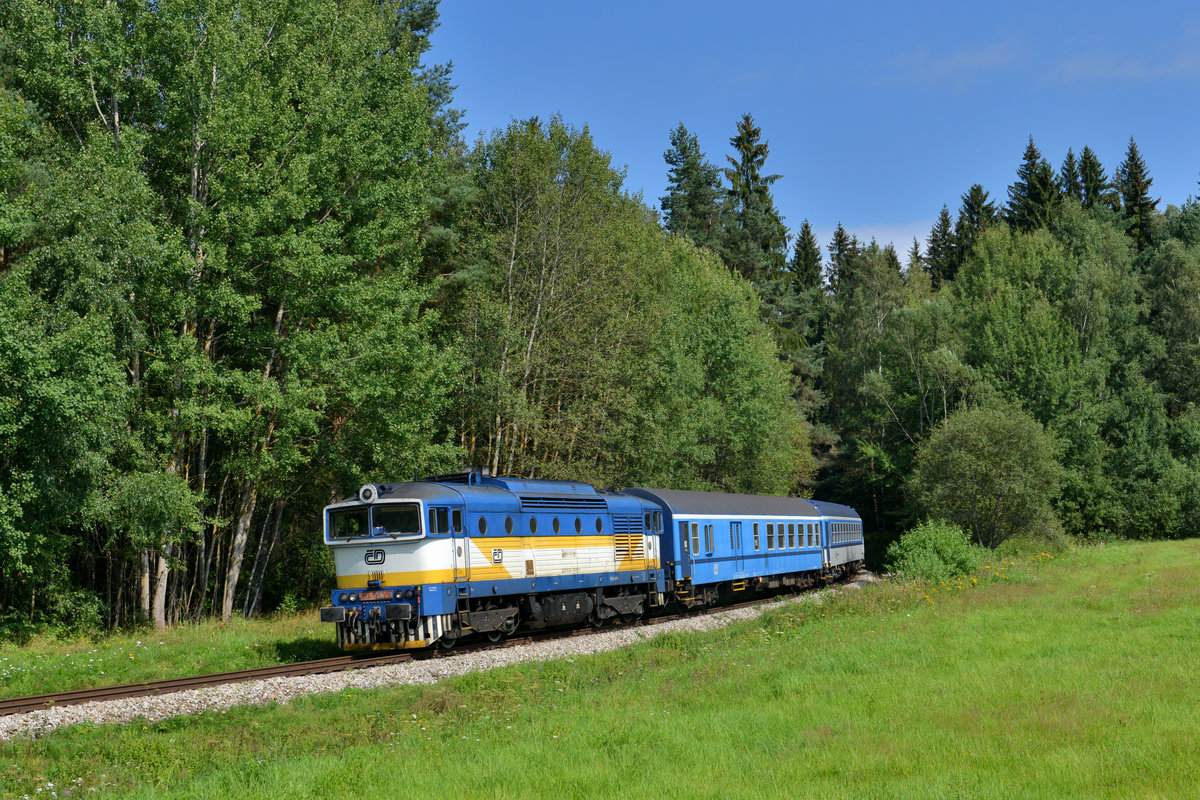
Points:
x=933 y=551
x=992 y=470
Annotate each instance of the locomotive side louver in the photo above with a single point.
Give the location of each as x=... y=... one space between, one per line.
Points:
x=549 y=503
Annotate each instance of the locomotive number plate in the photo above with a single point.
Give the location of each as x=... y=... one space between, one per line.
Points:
x=368 y=597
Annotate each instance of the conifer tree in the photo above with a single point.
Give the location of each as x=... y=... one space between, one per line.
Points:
x=1032 y=198
x=691 y=205
x=843 y=251
x=1093 y=182
x=755 y=239
x=1133 y=183
x=806 y=258
x=941 y=249
x=915 y=259
x=1069 y=182
x=977 y=214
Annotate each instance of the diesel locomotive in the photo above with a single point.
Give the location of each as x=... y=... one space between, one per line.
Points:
x=431 y=561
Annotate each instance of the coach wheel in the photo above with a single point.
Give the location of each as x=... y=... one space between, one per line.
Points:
x=495 y=636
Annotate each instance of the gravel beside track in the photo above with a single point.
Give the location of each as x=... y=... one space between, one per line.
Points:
x=281 y=690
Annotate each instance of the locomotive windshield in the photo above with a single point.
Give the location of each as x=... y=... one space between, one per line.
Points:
x=348 y=524
x=392 y=519
x=396 y=519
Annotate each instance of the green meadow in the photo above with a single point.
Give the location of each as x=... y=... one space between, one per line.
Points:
x=1039 y=676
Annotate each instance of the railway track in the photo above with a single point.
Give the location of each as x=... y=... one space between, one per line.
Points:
x=21 y=705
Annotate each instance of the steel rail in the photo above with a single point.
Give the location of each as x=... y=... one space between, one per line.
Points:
x=20 y=705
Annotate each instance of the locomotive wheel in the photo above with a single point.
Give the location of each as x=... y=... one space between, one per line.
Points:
x=447 y=642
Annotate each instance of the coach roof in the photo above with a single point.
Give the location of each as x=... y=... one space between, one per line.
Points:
x=728 y=505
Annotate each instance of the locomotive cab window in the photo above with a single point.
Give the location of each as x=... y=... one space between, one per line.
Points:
x=348 y=524
x=439 y=520
x=456 y=521
x=398 y=519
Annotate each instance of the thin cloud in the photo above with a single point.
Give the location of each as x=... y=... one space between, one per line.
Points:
x=1110 y=66
x=959 y=67
x=1178 y=60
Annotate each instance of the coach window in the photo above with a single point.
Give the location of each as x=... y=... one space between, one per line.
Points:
x=791 y=534
x=508 y=525
x=756 y=536
x=482 y=526
x=770 y=535
x=708 y=539
x=683 y=537
x=695 y=537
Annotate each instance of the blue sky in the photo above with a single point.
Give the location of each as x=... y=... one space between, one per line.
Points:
x=876 y=113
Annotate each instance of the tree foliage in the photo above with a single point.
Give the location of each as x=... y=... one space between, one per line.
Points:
x=991 y=469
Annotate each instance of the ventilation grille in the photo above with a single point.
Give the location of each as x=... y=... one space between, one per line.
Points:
x=629 y=546
x=548 y=503
x=453 y=477
x=627 y=524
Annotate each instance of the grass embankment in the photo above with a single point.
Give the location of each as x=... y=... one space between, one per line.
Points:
x=56 y=665
x=1066 y=678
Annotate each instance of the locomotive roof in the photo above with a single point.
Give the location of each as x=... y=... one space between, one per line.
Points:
x=729 y=505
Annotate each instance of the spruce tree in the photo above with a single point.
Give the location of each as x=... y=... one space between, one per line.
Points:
x=806 y=258
x=915 y=259
x=843 y=252
x=1133 y=183
x=1033 y=197
x=941 y=249
x=691 y=205
x=755 y=239
x=977 y=214
x=1069 y=181
x=1093 y=182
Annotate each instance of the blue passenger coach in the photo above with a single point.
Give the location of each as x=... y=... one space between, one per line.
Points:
x=715 y=545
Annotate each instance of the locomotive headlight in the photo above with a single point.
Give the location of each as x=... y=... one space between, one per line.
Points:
x=343 y=598
x=398 y=594
x=408 y=594
x=353 y=597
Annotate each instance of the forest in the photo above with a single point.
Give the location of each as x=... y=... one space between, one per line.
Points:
x=248 y=263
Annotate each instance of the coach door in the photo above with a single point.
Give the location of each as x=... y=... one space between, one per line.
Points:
x=461 y=555
x=735 y=541
x=684 y=549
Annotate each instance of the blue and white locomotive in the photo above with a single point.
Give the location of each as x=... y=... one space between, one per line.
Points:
x=431 y=561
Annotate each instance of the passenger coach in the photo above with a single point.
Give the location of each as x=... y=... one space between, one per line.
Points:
x=720 y=544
